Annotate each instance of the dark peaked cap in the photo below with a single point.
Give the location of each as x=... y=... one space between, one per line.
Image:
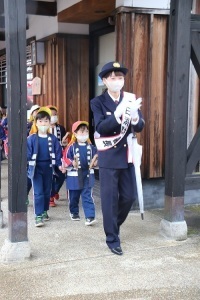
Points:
x=112 y=66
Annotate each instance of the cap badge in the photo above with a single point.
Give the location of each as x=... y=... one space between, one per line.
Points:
x=116 y=65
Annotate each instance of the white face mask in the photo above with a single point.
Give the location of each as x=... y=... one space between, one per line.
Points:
x=54 y=119
x=82 y=138
x=42 y=128
x=115 y=86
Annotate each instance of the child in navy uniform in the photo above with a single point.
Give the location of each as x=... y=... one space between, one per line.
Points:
x=60 y=132
x=43 y=153
x=80 y=157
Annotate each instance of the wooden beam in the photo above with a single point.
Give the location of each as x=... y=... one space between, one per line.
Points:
x=195 y=53
x=193 y=153
x=2 y=22
x=1 y=7
x=101 y=27
x=2 y=36
x=177 y=108
x=195 y=23
x=42 y=8
x=192 y=182
x=15 y=21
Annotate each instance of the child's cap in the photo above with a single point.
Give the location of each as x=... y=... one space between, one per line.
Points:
x=52 y=107
x=77 y=124
x=33 y=108
x=46 y=109
x=34 y=127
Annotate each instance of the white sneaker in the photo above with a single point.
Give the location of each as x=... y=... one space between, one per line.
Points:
x=90 y=221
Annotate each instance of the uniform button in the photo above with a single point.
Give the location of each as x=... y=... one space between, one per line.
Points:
x=115 y=132
x=115 y=146
x=124 y=145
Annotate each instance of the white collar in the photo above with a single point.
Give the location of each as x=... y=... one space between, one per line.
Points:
x=114 y=99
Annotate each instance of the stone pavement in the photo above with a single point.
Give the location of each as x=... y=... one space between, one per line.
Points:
x=71 y=261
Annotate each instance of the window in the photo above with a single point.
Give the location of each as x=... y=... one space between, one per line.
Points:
x=3 y=78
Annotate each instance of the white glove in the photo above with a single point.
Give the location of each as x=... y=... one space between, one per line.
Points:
x=120 y=110
x=135 y=105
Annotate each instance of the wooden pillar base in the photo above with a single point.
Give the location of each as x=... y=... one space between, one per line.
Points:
x=15 y=252
x=174 y=209
x=174 y=230
x=17 y=227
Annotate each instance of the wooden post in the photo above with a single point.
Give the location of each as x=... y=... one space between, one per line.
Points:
x=15 y=24
x=176 y=117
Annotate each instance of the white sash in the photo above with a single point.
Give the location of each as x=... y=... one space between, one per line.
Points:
x=106 y=143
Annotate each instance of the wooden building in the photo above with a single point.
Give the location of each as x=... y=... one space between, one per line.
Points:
x=68 y=70
x=156 y=44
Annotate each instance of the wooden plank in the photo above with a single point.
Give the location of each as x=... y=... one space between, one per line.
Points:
x=15 y=21
x=177 y=109
x=140 y=76
x=157 y=85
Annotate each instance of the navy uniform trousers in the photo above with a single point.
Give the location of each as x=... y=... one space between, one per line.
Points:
x=118 y=192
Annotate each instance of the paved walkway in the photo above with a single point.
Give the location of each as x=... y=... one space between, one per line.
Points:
x=71 y=261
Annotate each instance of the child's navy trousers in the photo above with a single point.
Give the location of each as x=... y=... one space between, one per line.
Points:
x=87 y=202
x=42 y=182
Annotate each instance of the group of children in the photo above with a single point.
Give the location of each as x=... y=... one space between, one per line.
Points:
x=53 y=158
x=3 y=134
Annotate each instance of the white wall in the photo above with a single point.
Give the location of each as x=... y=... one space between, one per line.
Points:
x=73 y=28
x=62 y=4
x=42 y=26
x=107 y=47
x=163 y=4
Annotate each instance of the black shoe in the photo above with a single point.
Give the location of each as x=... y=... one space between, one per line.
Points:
x=117 y=250
x=74 y=217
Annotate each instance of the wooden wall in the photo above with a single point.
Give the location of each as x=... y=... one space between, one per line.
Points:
x=65 y=77
x=142 y=47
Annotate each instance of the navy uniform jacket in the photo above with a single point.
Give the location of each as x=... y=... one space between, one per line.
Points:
x=103 y=108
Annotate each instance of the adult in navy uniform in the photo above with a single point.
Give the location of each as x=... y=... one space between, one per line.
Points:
x=113 y=123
